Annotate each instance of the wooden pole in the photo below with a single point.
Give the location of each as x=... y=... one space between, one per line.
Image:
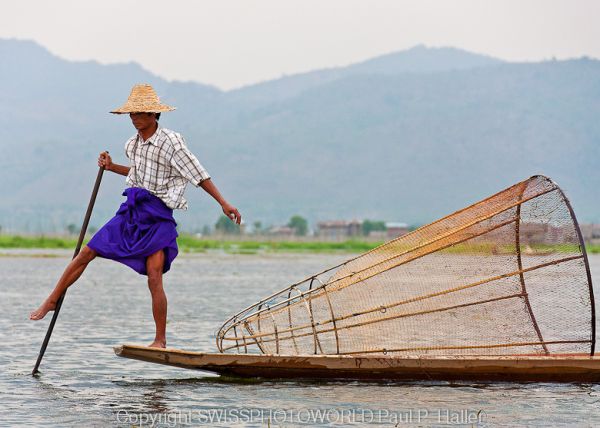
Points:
x=86 y=221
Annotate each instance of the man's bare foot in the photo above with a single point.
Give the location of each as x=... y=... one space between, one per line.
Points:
x=41 y=312
x=158 y=344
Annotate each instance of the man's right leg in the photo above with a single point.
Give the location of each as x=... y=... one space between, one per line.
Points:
x=72 y=272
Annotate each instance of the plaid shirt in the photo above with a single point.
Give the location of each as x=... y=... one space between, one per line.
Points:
x=163 y=165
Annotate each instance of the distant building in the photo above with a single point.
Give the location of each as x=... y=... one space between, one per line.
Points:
x=544 y=233
x=591 y=232
x=281 y=231
x=339 y=229
x=394 y=230
x=378 y=235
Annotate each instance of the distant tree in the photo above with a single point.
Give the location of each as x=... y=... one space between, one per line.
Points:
x=257 y=227
x=372 y=225
x=93 y=229
x=226 y=226
x=206 y=230
x=72 y=229
x=299 y=224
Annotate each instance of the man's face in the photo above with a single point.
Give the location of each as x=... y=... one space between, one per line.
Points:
x=142 y=120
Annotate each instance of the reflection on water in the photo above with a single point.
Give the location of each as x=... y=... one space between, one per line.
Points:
x=82 y=381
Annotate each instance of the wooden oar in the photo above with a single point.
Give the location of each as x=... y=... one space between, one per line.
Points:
x=88 y=214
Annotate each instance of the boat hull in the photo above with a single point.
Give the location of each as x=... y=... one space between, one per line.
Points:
x=559 y=368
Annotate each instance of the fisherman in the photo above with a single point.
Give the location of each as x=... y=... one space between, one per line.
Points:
x=142 y=234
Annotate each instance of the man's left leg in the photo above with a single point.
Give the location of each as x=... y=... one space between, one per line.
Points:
x=154 y=266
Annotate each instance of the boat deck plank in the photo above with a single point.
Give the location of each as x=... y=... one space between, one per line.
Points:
x=555 y=368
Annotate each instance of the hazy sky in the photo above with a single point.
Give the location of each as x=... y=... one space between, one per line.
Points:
x=232 y=43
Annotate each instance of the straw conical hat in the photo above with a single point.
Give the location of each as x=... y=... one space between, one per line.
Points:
x=143 y=99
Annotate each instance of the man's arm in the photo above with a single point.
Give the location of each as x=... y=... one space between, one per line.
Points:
x=190 y=168
x=106 y=161
x=228 y=209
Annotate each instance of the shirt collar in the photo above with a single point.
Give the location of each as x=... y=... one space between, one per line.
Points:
x=152 y=139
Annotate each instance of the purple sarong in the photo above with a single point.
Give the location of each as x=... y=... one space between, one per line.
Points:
x=142 y=226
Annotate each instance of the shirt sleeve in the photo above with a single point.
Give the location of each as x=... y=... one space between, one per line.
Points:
x=187 y=164
x=128 y=149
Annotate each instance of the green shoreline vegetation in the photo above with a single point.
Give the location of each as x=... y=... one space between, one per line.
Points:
x=191 y=244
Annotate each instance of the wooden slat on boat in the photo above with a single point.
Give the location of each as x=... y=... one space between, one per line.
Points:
x=560 y=368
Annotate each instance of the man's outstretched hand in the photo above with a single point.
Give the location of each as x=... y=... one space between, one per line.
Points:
x=232 y=213
x=229 y=210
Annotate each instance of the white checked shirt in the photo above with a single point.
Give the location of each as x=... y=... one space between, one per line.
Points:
x=163 y=165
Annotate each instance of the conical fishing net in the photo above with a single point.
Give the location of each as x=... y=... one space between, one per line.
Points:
x=506 y=276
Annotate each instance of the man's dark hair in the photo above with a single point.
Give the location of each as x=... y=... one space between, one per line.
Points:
x=157 y=116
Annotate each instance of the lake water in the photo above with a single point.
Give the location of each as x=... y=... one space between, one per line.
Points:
x=82 y=382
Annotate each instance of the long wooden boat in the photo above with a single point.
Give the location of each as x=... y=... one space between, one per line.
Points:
x=555 y=368
x=500 y=290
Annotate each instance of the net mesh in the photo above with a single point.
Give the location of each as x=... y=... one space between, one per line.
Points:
x=505 y=276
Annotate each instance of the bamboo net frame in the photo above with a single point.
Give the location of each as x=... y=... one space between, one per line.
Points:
x=508 y=274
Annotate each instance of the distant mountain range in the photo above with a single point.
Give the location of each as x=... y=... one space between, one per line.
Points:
x=408 y=136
